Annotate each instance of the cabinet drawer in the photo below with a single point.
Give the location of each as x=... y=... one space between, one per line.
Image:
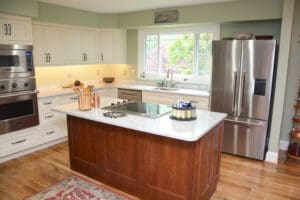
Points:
x=17 y=143
x=49 y=116
x=49 y=133
x=71 y=98
x=47 y=103
x=157 y=97
x=199 y=102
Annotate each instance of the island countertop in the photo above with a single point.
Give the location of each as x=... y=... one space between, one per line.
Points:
x=189 y=131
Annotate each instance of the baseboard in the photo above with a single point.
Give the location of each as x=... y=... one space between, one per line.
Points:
x=284 y=145
x=33 y=149
x=272 y=157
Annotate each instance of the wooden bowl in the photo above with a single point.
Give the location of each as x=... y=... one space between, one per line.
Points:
x=108 y=79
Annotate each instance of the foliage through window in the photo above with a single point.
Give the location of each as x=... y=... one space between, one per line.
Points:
x=187 y=53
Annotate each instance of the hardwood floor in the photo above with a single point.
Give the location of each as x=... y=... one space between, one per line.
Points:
x=240 y=178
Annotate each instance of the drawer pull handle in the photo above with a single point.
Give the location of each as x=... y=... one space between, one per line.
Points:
x=48 y=116
x=20 y=141
x=47 y=103
x=194 y=101
x=73 y=98
x=50 y=132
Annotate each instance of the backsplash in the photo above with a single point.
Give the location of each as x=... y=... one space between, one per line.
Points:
x=124 y=74
x=55 y=75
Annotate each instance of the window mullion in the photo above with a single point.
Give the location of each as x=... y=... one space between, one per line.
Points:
x=159 y=58
x=196 y=57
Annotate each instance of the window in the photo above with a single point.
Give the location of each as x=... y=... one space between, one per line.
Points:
x=187 y=51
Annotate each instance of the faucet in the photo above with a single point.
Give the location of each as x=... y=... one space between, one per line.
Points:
x=169 y=74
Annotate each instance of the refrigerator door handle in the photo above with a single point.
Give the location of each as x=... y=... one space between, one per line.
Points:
x=241 y=94
x=260 y=123
x=234 y=94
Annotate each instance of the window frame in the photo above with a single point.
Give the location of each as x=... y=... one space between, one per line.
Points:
x=142 y=33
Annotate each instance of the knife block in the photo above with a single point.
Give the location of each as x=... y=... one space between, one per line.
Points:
x=85 y=102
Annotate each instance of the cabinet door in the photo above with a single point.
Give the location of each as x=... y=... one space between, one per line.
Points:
x=74 y=47
x=19 y=31
x=3 y=30
x=199 y=101
x=39 y=53
x=159 y=97
x=89 y=46
x=108 y=47
x=54 y=45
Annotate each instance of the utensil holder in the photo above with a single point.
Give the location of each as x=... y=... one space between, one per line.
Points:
x=85 y=102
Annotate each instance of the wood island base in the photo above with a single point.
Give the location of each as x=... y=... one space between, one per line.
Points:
x=148 y=166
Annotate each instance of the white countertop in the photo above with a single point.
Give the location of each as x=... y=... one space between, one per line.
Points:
x=48 y=91
x=163 y=126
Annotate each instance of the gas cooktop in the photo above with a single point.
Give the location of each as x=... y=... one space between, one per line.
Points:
x=151 y=110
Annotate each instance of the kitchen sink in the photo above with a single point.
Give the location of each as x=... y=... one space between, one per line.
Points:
x=165 y=88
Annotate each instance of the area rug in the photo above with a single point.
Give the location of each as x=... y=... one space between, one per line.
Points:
x=75 y=188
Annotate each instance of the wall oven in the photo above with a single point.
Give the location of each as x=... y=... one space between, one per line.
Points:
x=16 y=61
x=18 y=110
x=18 y=95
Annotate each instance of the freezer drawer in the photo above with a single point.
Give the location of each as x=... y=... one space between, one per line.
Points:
x=245 y=137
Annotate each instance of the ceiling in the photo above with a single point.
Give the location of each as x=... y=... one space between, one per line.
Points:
x=122 y=6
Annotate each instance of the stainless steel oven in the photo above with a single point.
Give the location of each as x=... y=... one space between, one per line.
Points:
x=18 y=95
x=16 y=61
x=18 y=110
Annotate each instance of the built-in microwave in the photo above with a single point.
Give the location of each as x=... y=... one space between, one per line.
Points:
x=16 y=61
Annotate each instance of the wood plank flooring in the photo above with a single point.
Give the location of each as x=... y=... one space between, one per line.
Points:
x=240 y=179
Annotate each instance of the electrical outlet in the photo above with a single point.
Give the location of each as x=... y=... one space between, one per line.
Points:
x=69 y=75
x=98 y=72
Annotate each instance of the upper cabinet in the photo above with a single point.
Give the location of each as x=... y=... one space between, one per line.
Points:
x=81 y=46
x=112 y=47
x=49 y=48
x=56 y=44
x=107 y=47
x=15 y=29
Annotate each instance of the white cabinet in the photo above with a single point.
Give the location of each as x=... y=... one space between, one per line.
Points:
x=108 y=92
x=81 y=46
x=200 y=102
x=108 y=47
x=15 y=30
x=16 y=141
x=50 y=127
x=49 y=48
x=112 y=47
x=159 y=97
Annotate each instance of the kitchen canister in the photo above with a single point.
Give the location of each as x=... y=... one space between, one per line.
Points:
x=85 y=102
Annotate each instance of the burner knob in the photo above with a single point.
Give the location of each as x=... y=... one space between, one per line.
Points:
x=26 y=84
x=2 y=87
x=14 y=85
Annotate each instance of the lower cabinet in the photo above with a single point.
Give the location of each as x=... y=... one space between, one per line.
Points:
x=18 y=141
x=201 y=102
x=108 y=92
x=145 y=165
x=52 y=127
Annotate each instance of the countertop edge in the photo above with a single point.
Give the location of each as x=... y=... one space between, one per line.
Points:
x=195 y=138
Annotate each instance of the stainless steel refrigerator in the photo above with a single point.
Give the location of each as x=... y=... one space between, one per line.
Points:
x=241 y=86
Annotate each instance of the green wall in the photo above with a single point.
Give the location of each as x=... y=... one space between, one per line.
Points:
x=20 y=7
x=216 y=12
x=64 y=15
x=255 y=27
x=132 y=47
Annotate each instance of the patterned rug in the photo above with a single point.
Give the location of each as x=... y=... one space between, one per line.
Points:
x=75 y=188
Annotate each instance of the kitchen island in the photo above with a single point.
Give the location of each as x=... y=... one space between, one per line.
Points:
x=149 y=158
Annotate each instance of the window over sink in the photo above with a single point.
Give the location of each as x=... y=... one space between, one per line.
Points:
x=185 y=50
